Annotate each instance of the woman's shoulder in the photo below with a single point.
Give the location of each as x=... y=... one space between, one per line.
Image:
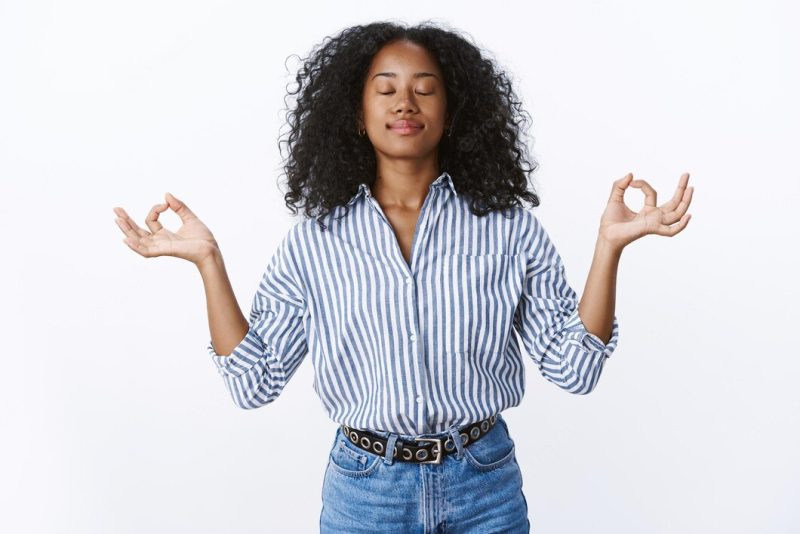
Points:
x=306 y=234
x=299 y=231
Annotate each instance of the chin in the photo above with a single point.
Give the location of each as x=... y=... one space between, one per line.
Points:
x=406 y=146
x=395 y=152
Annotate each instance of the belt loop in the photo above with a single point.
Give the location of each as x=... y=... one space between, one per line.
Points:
x=454 y=435
x=388 y=456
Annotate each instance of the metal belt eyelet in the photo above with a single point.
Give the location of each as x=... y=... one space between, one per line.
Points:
x=485 y=425
x=464 y=438
x=475 y=432
x=365 y=442
x=437 y=451
x=492 y=419
x=407 y=454
x=377 y=446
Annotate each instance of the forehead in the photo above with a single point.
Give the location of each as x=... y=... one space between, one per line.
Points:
x=403 y=58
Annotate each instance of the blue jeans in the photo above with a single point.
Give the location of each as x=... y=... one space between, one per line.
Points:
x=476 y=489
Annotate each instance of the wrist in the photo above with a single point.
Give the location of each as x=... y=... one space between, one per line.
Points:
x=211 y=261
x=606 y=248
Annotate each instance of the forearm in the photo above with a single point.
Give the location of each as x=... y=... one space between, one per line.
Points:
x=598 y=300
x=226 y=322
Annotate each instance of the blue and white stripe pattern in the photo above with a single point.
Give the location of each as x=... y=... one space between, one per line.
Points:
x=413 y=348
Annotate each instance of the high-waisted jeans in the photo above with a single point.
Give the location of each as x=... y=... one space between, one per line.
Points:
x=476 y=489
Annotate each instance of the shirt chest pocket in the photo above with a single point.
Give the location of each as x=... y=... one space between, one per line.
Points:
x=480 y=295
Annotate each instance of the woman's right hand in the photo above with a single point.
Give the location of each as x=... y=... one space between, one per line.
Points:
x=193 y=241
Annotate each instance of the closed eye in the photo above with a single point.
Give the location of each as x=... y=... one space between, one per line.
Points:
x=390 y=92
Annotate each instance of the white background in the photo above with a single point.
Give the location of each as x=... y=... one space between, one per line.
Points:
x=113 y=416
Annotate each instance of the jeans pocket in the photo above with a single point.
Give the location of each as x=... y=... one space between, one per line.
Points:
x=349 y=460
x=491 y=451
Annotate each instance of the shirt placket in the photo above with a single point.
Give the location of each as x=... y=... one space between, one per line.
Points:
x=420 y=379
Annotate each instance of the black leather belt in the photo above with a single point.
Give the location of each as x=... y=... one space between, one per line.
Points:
x=408 y=452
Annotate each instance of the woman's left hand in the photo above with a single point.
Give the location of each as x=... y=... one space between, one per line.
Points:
x=620 y=226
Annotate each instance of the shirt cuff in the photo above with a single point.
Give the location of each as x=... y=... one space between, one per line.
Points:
x=243 y=357
x=576 y=333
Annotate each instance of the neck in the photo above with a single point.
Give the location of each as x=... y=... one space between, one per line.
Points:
x=403 y=182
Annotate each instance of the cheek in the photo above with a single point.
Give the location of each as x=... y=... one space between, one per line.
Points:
x=374 y=117
x=437 y=112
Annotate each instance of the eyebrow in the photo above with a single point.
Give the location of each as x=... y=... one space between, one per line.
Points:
x=416 y=75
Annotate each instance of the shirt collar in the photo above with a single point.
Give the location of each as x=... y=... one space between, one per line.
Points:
x=444 y=180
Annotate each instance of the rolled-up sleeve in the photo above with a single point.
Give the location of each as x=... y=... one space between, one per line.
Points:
x=261 y=365
x=548 y=322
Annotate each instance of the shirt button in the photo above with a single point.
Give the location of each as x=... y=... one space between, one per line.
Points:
x=419 y=400
x=413 y=337
x=408 y=279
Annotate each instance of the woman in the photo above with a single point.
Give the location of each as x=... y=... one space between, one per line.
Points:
x=415 y=263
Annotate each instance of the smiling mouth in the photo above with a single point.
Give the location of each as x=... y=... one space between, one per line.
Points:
x=406 y=130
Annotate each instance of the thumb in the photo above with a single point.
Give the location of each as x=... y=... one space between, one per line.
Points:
x=179 y=207
x=173 y=202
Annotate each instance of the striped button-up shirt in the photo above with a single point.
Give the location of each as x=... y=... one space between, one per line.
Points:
x=415 y=346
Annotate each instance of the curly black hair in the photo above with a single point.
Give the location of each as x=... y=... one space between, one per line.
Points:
x=485 y=153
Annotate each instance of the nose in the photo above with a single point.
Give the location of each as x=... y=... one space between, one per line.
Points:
x=405 y=104
x=406 y=107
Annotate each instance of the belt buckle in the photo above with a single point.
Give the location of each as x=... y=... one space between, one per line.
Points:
x=438 y=459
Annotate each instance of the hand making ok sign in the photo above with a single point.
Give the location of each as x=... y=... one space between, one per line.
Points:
x=620 y=225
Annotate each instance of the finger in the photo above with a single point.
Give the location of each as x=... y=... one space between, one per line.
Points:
x=670 y=231
x=619 y=186
x=647 y=189
x=152 y=218
x=677 y=213
x=180 y=208
x=130 y=222
x=672 y=203
x=126 y=228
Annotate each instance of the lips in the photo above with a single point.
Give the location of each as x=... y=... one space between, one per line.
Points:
x=405 y=126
